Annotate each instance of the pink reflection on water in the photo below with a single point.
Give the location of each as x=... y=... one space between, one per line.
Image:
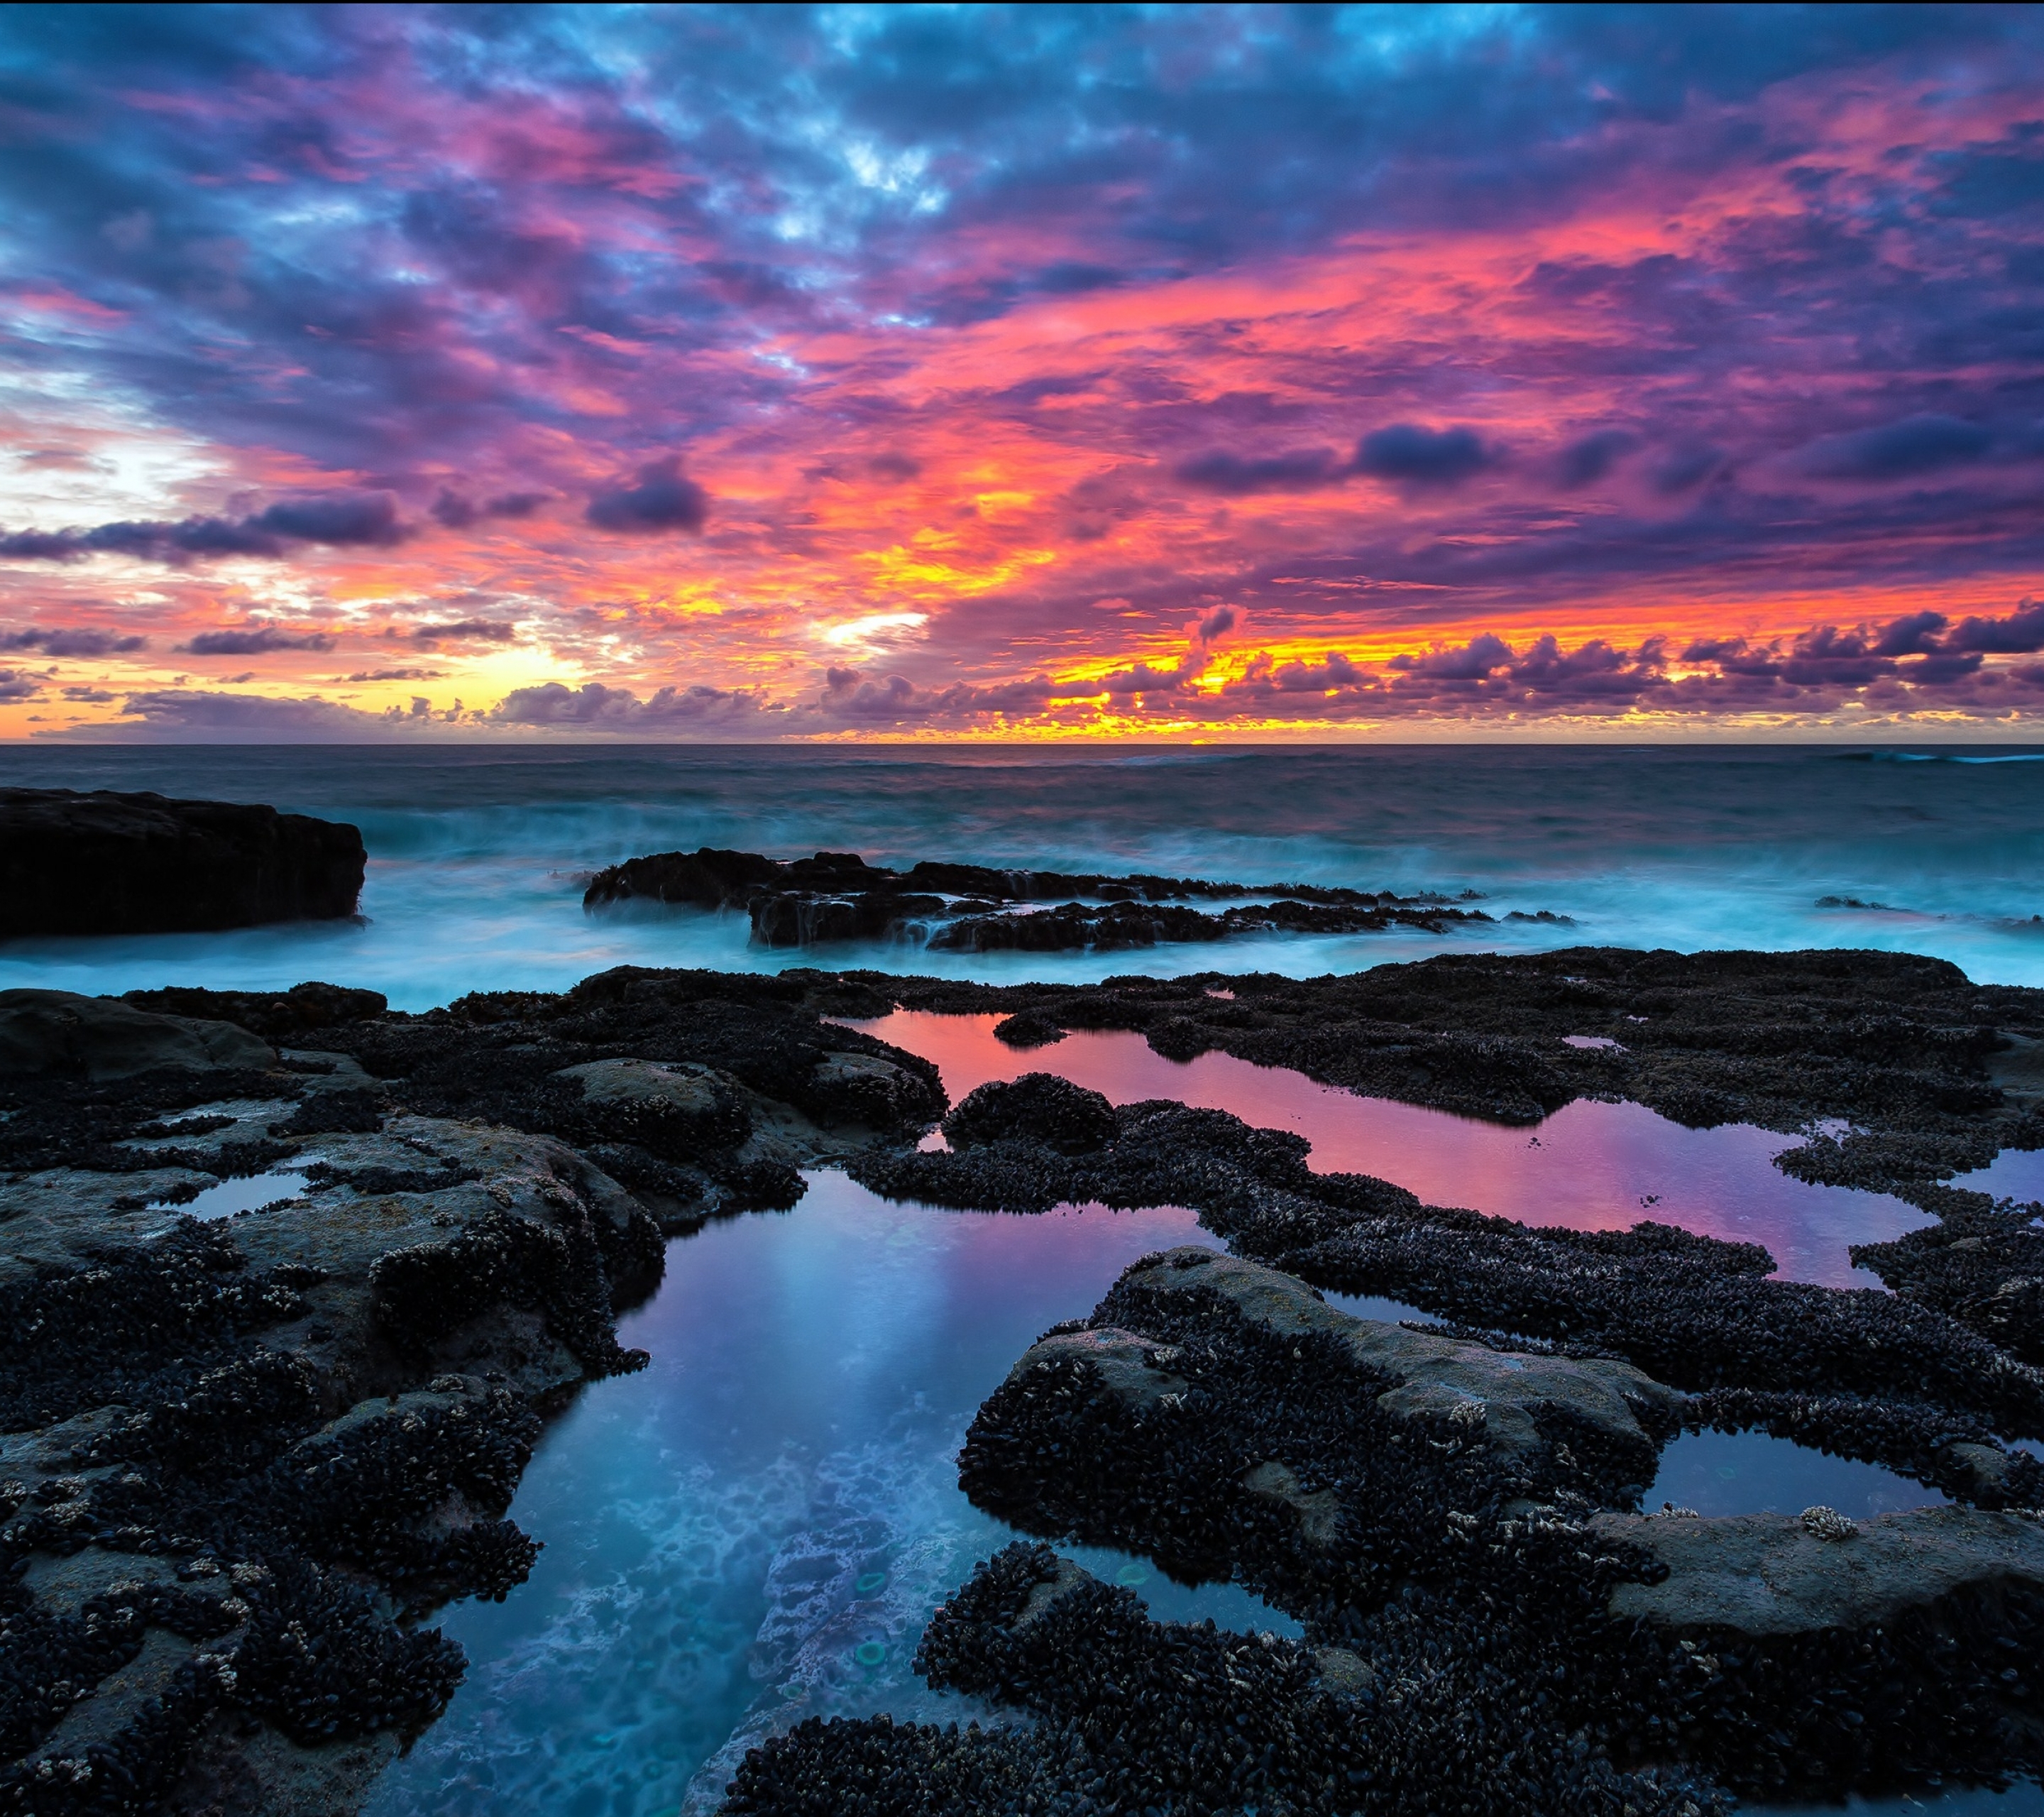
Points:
x=1589 y=1166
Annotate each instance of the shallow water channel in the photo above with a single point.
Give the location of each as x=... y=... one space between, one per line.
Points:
x=757 y=1527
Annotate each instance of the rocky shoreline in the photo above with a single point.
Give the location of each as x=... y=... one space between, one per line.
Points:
x=248 y=1456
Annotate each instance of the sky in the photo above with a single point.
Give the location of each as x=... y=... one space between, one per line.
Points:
x=1142 y=372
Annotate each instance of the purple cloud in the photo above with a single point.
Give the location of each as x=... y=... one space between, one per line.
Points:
x=663 y=498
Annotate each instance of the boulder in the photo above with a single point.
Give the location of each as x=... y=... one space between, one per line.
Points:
x=108 y=863
x=58 y=1032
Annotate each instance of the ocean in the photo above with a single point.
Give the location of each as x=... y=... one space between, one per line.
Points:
x=478 y=853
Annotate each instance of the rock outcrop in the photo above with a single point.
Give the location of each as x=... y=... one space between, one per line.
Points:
x=969 y=907
x=108 y=863
x=61 y=1034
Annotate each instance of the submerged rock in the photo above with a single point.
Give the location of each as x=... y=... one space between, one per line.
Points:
x=108 y=863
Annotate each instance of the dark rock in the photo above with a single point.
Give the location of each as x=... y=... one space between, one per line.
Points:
x=1028 y=1030
x=837 y=896
x=58 y=1034
x=1985 y=1271
x=107 y=863
x=1038 y=1107
x=285 y=1017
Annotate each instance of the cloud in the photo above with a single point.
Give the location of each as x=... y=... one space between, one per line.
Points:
x=466 y=630
x=458 y=512
x=1334 y=670
x=1915 y=634
x=1929 y=442
x=94 y=696
x=596 y=707
x=1587 y=459
x=341 y=520
x=1218 y=623
x=1112 y=272
x=14 y=686
x=337 y=520
x=257 y=640
x=1682 y=468
x=2020 y=634
x=396 y=675
x=663 y=498
x=1141 y=678
x=1298 y=469
x=174 y=713
x=74 y=641
x=1411 y=454
x=850 y=700
x=1471 y=662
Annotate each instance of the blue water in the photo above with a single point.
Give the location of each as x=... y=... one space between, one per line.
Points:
x=475 y=851
x=756 y=1528
x=1754 y=1473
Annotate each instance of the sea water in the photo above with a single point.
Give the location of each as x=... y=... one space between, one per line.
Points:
x=758 y=1527
x=478 y=853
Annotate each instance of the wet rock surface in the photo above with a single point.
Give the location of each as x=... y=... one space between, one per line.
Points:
x=974 y=909
x=243 y=1458
x=108 y=863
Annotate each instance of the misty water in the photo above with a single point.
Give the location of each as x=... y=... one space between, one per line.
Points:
x=757 y=1527
x=476 y=852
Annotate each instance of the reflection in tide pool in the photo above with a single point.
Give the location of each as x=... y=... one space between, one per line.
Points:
x=244 y=1193
x=756 y=1527
x=1755 y=1472
x=1589 y=1166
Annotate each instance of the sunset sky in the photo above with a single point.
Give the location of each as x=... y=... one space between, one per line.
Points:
x=958 y=373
